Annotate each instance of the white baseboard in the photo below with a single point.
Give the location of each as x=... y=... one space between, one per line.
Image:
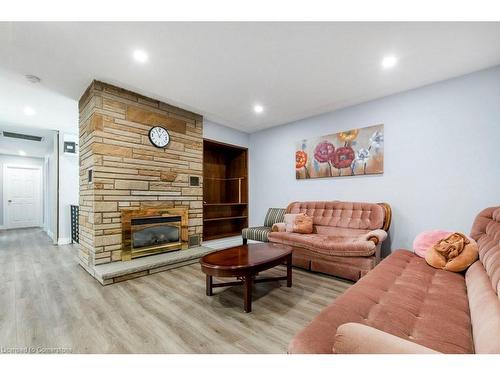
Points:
x=64 y=241
x=2 y=227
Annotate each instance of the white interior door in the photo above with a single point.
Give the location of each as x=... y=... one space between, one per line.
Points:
x=22 y=197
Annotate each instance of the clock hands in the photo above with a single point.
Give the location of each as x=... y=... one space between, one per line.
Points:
x=159 y=136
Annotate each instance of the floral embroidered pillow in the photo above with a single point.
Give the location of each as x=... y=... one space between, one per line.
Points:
x=455 y=253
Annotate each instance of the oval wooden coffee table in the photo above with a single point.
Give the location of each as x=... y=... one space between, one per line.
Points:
x=245 y=262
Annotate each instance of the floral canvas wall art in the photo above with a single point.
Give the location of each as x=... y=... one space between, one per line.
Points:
x=349 y=153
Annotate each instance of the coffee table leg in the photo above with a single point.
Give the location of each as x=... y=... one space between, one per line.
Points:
x=209 y=285
x=289 y=272
x=247 y=293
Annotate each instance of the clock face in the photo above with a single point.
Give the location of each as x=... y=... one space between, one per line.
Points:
x=159 y=136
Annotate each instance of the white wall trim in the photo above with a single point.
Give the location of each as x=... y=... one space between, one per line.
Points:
x=64 y=241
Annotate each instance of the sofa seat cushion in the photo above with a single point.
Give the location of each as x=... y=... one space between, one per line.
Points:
x=256 y=233
x=402 y=296
x=327 y=245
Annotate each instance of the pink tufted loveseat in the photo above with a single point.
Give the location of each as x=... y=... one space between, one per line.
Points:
x=406 y=306
x=346 y=238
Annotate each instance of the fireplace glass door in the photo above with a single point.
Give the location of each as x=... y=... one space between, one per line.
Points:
x=154 y=234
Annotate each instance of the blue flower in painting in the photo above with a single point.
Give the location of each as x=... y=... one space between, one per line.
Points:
x=362 y=155
x=376 y=140
x=316 y=166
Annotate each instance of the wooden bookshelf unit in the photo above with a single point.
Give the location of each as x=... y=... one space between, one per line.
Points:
x=225 y=189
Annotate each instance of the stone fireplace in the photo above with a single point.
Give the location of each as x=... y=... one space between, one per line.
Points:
x=136 y=199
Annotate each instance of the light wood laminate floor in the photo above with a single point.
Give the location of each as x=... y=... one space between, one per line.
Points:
x=48 y=301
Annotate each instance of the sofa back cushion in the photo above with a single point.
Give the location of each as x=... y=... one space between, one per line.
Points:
x=483 y=282
x=351 y=215
x=273 y=216
x=486 y=232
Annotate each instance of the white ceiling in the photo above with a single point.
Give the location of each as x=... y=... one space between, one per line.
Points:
x=221 y=70
x=53 y=110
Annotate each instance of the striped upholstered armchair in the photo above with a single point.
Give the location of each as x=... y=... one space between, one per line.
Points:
x=274 y=215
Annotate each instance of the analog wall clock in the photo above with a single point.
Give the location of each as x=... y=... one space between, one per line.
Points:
x=159 y=136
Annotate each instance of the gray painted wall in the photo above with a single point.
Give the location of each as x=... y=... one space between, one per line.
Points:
x=441 y=157
x=221 y=133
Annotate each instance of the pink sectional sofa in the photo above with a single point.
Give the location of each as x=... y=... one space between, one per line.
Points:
x=346 y=238
x=406 y=306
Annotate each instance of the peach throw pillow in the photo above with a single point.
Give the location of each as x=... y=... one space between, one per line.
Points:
x=298 y=223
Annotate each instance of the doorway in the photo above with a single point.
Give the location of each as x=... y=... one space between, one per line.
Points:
x=23 y=201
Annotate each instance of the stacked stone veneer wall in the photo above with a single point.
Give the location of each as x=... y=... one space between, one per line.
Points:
x=128 y=172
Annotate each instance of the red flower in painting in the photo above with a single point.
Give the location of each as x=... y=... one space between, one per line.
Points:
x=324 y=151
x=343 y=157
x=300 y=159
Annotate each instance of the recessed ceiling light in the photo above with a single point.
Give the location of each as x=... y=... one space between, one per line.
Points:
x=389 y=62
x=28 y=111
x=140 y=56
x=258 y=108
x=22 y=153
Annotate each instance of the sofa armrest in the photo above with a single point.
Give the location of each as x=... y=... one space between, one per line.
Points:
x=278 y=227
x=376 y=236
x=355 y=338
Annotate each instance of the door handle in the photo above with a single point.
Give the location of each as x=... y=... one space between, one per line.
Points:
x=9 y=201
